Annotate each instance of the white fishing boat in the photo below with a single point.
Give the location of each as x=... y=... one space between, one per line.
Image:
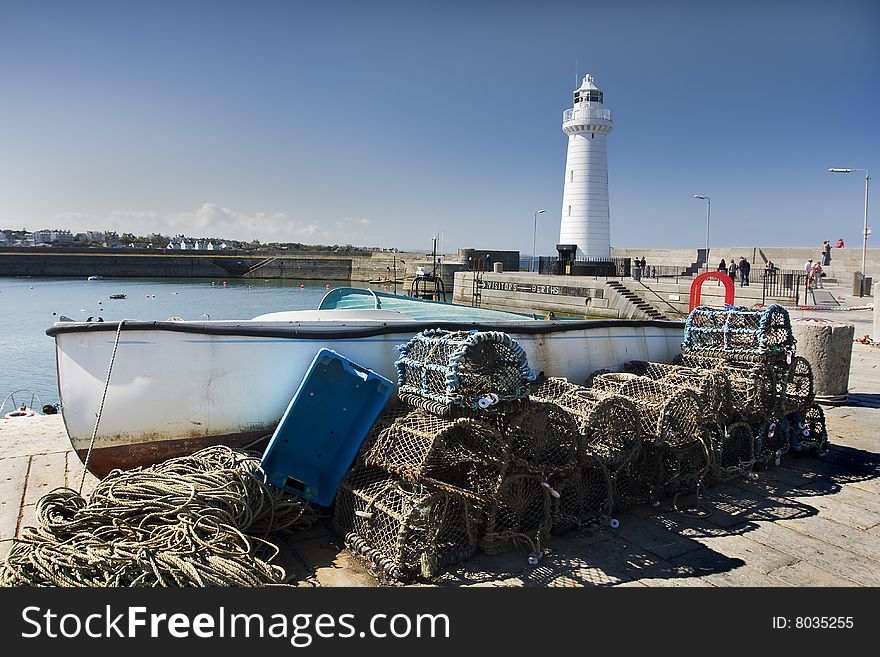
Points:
x=177 y=386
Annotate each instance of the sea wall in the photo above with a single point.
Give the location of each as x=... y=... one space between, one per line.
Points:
x=129 y=263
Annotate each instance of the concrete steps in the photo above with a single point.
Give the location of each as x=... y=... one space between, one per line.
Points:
x=645 y=308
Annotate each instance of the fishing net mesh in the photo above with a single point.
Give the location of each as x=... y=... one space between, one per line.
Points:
x=640 y=481
x=669 y=414
x=733 y=450
x=814 y=418
x=685 y=467
x=463 y=456
x=772 y=440
x=584 y=497
x=520 y=516
x=402 y=530
x=809 y=430
x=609 y=425
x=542 y=439
x=799 y=386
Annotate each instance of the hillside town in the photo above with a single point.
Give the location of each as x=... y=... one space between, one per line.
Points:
x=60 y=238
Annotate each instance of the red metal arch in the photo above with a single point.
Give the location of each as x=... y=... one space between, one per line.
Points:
x=697 y=285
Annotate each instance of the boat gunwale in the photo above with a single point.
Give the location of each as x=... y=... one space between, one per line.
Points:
x=293 y=329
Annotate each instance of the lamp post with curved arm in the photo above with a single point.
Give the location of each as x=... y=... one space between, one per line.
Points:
x=534 y=239
x=865 y=230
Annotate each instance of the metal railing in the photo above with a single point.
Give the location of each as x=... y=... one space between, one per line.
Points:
x=781 y=284
x=586 y=113
x=584 y=266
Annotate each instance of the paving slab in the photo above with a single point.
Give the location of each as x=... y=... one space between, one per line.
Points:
x=836 y=560
x=46 y=474
x=835 y=533
x=804 y=573
x=13 y=474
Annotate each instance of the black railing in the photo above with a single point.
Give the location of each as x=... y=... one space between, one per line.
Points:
x=781 y=284
x=584 y=266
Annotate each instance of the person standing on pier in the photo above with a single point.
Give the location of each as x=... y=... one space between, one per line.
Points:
x=731 y=269
x=744 y=268
x=722 y=267
x=817 y=276
x=808 y=273
x=826 y=253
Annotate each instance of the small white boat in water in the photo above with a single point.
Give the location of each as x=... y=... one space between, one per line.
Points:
x=178 y=386
x=95 y=278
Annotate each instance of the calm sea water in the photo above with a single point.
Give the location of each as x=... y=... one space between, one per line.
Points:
x=31 y=305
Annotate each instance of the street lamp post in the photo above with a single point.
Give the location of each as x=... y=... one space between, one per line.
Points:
x=708 y=210
x=865 y=230
x=534 y=239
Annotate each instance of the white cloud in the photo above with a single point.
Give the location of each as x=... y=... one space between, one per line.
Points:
x=214 y=220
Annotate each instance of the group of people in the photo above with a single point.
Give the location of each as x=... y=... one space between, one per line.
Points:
x=731 y=269
x=642 y=268
x=814 y=273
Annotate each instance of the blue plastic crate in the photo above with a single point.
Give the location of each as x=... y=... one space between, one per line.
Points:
x=323 y=427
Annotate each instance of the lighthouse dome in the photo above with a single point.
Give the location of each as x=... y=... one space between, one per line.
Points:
x=588 y=92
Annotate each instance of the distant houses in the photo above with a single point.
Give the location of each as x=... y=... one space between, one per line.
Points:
x=184 y=243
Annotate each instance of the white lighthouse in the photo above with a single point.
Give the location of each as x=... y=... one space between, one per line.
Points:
x=585 y=217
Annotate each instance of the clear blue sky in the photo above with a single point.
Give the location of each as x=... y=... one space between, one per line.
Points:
x=382 y=123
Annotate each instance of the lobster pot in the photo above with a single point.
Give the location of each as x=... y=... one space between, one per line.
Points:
x=733 y=450
x=710 y=385
x=809 y=432
x=756 y=390
x=684 y=468
x=640 y=481
x=609 y=425
x=740 y=332
x=584 y=498
x=592 y=377
x=772 y=440
x=445 y=371
x=520 y=516
x=400 y=530
x=669 y=414
x=462 y=457
x=542 y=439
x=612 y=381
x=798 y=386
x=393 y=411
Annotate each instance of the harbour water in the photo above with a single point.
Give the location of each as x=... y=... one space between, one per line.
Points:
x=31 y=305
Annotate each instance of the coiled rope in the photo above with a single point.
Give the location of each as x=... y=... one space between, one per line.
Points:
x=199 y=520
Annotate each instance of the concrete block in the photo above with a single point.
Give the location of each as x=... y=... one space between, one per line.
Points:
x=828 y=347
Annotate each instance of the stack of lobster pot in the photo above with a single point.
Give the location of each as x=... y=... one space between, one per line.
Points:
x=609 y=438
x=463 y=459
x=770 y=388
x=674 y=457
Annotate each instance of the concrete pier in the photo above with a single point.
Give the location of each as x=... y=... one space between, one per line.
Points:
x=810 y=522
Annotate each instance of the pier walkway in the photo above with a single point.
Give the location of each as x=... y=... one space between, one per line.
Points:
x=810 y=522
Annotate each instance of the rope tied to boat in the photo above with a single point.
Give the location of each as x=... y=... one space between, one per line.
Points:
x=199 y=520
x=82 y=480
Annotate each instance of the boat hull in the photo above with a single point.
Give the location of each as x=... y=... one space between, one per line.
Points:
x=177 y=386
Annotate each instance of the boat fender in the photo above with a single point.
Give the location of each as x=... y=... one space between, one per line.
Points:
x=489 y=400
x=553 y=492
